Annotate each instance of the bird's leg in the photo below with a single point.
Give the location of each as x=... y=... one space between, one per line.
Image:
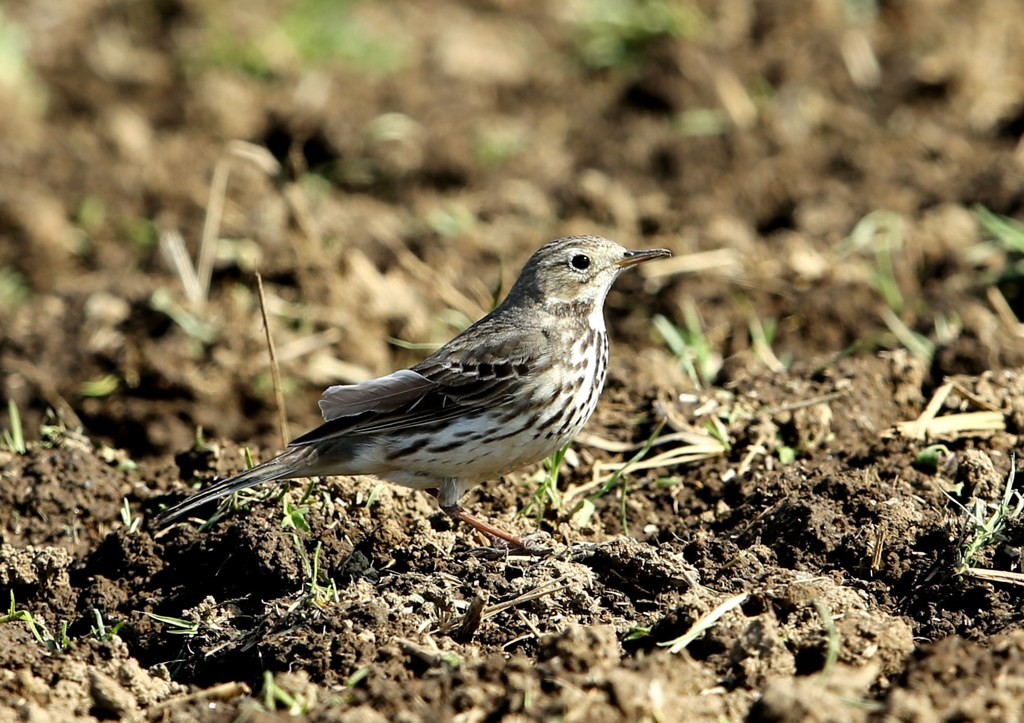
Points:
x=498 y=537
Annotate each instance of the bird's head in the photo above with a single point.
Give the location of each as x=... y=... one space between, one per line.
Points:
x=575 y=272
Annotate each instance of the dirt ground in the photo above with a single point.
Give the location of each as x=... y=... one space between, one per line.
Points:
x=749 y=528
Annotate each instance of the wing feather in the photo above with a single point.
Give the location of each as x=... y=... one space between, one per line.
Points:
x=382 y=395
x=454 y=382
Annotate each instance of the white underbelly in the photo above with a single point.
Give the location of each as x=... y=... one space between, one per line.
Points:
x=474 y=449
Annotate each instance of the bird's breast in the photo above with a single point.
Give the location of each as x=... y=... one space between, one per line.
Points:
x=548 y=408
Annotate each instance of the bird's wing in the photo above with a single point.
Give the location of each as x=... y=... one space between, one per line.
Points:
x=455 y=381
x=380 y=395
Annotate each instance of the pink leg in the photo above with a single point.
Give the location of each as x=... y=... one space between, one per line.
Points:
x=498 y=537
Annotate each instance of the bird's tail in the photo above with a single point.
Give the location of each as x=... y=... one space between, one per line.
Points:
x=295 y=462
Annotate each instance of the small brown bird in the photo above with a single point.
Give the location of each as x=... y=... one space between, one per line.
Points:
x=507 y=392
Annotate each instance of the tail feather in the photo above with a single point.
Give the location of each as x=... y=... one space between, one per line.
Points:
x=288 y=465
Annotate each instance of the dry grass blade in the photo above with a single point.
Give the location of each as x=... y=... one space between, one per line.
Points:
x=325 y=367
x=172 y=246
x=258 y=156
x=724 y=261
x=705 y=449
x=1003 y=310
x=931 y=426
x=211 y=226
x=471 y=620
x=306 y=345
x=607 y=445
x=275 y=369
x=758 y=448
x=697 y=446
x=704 y=623
x=538 y=592
x=1010 y=578
x=534 y=630
x=419 y=269
x=432 y=657
x=617 y=447
x=223 y=691
x=878 y=549
x=734 y=98
x=196 y=277
x=859 y=58
x=953 y=425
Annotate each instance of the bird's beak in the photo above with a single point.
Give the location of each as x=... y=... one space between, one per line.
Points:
x=632 y=258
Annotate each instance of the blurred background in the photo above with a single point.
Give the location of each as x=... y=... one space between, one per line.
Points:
x=832 y=176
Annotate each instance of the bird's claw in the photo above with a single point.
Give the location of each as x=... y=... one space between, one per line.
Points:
x=501 y=548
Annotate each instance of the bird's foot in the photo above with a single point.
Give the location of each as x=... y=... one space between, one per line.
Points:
x=500 y=549
x=526 y=545
x=502 y=542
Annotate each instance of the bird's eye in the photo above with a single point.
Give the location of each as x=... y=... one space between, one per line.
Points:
x=580 y=262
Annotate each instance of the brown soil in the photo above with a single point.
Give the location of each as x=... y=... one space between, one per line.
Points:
x=425 y=150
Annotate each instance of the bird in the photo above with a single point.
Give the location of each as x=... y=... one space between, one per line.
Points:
x=514 y=387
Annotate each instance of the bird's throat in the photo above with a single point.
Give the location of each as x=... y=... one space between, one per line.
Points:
x=583 y=310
